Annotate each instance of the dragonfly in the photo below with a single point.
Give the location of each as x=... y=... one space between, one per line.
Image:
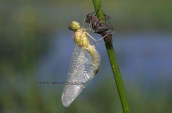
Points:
x=84 y=64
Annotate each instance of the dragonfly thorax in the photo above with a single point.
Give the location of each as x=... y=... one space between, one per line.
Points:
x=81 y=39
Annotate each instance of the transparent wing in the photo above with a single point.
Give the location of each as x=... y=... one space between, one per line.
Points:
x=81 y=72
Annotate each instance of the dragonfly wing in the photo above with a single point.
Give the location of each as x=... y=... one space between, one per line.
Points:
x=81 y=72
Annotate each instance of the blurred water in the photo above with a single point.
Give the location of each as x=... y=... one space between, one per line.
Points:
x=143 y=58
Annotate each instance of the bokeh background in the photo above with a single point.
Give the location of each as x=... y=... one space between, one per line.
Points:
x=36 y=46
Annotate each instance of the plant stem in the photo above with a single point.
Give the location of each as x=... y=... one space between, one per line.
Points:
x=114 y=64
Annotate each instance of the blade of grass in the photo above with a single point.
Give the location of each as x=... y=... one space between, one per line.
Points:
x=114 y=64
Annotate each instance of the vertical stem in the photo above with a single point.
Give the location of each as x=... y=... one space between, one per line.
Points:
x=114 y=64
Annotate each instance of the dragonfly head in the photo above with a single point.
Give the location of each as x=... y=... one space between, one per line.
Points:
x=74 y=26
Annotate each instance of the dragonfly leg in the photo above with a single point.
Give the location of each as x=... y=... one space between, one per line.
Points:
x=90 y=36
x=83 y=23
x=99 y=43
x=107 y=18
x=95 y=39
x=100 y=38
x=90 y=40
x=105 y=36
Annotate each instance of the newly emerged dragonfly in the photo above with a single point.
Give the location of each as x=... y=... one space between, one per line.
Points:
x=84 y=65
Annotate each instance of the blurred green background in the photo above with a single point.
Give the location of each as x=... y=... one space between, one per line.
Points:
x=36 y=46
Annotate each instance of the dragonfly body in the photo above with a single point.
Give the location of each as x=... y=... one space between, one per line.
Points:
x=84 y=65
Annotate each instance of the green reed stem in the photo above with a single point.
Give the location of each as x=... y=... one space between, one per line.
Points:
x=114 y=64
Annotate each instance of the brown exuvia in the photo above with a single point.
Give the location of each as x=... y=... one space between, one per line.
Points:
x=99 y=26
